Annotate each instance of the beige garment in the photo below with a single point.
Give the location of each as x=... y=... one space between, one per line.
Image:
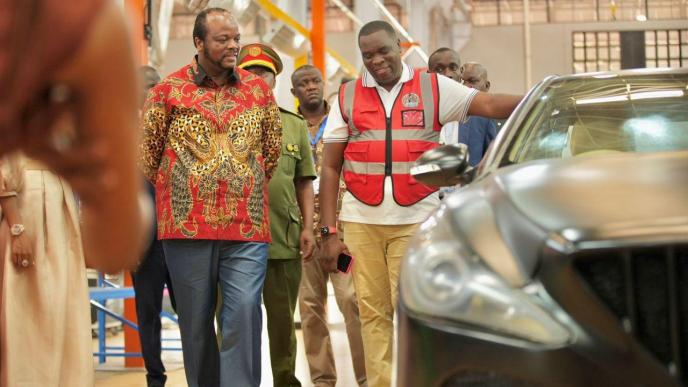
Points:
x=45 y=325
x=316 y=334
x=376 y=279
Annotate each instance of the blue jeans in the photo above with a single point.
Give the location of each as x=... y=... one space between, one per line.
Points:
x=197 y=267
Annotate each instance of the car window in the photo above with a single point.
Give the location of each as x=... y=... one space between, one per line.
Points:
x=592 y=116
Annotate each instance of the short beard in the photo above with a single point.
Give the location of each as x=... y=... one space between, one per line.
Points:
x=216 y=63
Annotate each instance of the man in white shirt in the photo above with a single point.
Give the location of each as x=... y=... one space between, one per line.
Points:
x=383 y=122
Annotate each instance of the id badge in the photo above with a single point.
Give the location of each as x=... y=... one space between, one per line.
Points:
x=413 y=118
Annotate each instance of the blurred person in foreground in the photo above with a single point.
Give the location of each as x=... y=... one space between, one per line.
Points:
x=291 y=222
x=212 y=135
x=308 y=87
x=58 y=108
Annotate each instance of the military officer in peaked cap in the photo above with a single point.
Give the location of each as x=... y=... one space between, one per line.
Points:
x=291 y=221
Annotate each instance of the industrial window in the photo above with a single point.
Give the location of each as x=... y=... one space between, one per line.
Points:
x=501 y=12
x=666 y=48
x=596 y=51
x=602 y=50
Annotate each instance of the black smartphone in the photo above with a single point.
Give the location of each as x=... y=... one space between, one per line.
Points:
x=344 y=262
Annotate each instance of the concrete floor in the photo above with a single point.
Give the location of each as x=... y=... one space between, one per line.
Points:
x=114 y=374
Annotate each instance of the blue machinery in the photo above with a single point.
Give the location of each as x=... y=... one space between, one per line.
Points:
x=107 y=290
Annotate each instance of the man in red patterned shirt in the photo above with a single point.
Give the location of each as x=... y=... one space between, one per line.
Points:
x=211 y=139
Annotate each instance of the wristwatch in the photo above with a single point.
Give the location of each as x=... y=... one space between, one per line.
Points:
x=17 y=229
x=327 y=230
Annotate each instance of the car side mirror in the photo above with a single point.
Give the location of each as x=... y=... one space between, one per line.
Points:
x=444 y=166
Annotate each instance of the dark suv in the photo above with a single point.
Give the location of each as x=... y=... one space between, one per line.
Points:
x=562 y=260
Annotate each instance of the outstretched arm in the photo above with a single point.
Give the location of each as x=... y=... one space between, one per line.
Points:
x=493 y=105
x=101 y=163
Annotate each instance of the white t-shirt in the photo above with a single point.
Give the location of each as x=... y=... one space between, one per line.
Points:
x=454 y=100
x=449 y=133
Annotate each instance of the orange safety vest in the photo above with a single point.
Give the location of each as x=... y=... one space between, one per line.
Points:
x=380 y=146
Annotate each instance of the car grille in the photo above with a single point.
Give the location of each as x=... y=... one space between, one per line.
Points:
x=647 y=289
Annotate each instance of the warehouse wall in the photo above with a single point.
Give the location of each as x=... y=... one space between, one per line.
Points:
x=501 y=49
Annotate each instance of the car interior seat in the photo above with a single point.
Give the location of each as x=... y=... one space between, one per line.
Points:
x=594 y=139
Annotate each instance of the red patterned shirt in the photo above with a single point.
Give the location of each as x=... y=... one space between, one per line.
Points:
x=210 y=151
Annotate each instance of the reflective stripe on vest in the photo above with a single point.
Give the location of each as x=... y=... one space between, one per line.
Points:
x=406 y=134
x=429 y=103
x=363 y=168
x=346 y=103
x=415 y=129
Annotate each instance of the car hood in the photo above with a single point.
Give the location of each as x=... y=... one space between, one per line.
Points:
x=510 y=217
x=601 y=197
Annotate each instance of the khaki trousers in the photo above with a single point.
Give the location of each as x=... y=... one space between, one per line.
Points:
x=377 y=251
x=316 y=334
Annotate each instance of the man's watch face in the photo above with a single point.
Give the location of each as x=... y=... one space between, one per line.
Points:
x=327 y=230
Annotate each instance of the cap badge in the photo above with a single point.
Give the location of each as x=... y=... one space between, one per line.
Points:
x=255 y=51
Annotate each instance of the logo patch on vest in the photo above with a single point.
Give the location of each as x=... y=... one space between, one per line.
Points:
x=412 y=118
x=410 y=100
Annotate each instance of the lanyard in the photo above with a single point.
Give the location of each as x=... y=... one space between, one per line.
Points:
x=318 y=135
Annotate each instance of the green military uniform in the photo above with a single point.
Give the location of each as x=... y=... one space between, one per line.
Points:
x=280 y=292
x=296 y=161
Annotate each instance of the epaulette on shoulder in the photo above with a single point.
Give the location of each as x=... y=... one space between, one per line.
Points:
x=283 y=110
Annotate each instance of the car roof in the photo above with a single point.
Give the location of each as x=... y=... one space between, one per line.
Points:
x=620 y=73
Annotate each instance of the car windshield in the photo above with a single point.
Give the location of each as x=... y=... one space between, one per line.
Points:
x=605 y=114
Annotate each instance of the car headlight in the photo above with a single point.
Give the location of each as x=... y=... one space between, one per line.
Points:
x=441 y=277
